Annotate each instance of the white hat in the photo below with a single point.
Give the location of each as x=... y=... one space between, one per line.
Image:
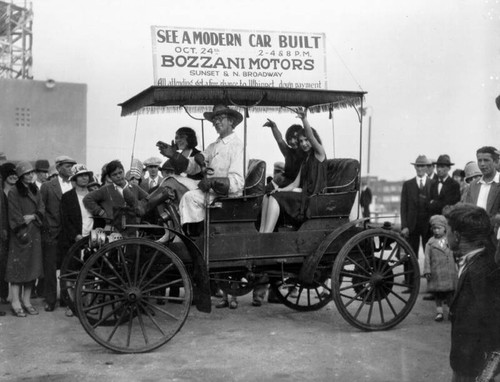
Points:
x=153 y=161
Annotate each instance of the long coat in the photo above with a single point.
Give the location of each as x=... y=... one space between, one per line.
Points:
x=439 y=262
x=475 y=314
x=24 y=262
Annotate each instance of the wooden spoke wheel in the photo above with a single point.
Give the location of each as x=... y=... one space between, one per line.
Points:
x=304 y=297
x=375 y=280
x=71 y=267
x=122 y=295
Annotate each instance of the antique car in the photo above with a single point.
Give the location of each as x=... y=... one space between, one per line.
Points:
x=119 y=286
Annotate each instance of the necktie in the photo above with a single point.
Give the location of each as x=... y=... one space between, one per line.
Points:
x=440 y=185
x=421 y=184
x=152 y=183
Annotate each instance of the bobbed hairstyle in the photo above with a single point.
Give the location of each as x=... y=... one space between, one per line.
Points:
x=292 y=131
x=190 y=135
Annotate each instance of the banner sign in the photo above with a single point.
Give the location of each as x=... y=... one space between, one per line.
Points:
x=214 y=57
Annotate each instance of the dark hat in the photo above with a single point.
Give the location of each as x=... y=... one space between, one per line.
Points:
x=223 y=109
x=444 y=160
x=42 y=165
x=422 y=160
x=64 y=159
x=167 y=166
x=7 y=169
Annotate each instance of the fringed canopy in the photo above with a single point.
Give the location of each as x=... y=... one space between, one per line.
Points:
x=161 y=99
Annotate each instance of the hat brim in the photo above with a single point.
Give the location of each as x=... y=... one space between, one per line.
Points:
x=209 y=115
x=443 y=164
x=73 y=177
x=65 y=162
x=422 y=164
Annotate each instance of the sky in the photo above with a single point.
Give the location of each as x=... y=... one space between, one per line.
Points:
x=431 y=70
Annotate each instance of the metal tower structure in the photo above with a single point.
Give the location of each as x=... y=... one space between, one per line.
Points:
x=16 y=40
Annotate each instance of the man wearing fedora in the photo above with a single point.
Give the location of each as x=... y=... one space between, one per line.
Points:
x=223 y=159
x=52 y=192
x=444 y=190
x=415 y=196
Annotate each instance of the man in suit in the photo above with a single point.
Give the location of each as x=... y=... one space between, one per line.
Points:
x=444 y=190
x=475 y=307
x=52 y=192
x=152 y=167
x=415 y=214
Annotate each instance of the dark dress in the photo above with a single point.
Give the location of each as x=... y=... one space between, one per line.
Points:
x=24 y=263
x=294 y=205
x=293 y=162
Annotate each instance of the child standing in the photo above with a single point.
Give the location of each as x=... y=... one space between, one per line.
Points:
x=439 y=266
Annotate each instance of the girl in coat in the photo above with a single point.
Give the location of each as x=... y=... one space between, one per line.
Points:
x=24 y=263
x=440 y=269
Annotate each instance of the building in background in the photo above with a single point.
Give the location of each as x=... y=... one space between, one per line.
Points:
x=43 y=119
x=386 y=197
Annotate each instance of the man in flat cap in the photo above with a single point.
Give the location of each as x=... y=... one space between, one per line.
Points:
x=415 y=214
x=152 y=167
x=52 y=192
x=444 y=190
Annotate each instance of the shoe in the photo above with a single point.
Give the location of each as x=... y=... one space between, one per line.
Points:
x=429 y=298
x=49 y=307
x=439 y=317
x=2 y=313
x=256 y=303
x=222 y=304
x=406 y=291
x=68 y=312
x=18 y=312
x=233 y=304
x=30 y=310
x=63 y=304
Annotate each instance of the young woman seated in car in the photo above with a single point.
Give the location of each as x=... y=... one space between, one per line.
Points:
x=292 y=201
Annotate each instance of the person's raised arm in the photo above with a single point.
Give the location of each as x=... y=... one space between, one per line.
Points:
x=319 y=151
x=278 y=137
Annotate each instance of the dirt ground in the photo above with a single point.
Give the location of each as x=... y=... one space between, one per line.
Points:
x=268 y=343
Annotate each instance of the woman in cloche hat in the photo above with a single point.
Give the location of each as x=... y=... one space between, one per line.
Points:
x=24 y=263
